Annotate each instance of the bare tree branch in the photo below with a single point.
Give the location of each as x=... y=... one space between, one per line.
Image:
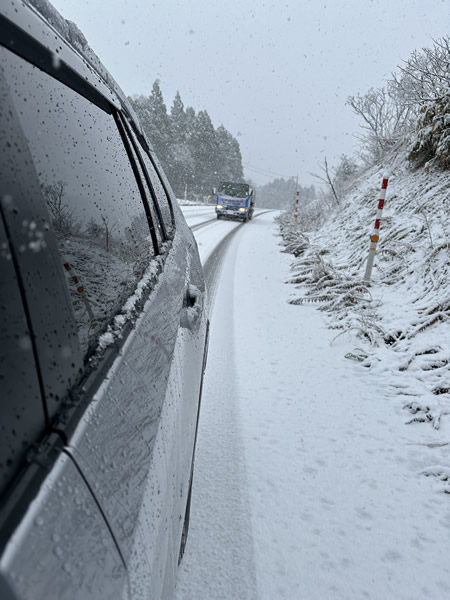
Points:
x=327 y=179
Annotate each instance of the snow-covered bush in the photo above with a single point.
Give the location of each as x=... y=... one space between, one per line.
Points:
x=385 y=120
x=432 y=143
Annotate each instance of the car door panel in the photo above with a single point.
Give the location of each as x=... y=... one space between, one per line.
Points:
x=22 y=412
x=181 y=422
x=65 y=534
x=120 y=441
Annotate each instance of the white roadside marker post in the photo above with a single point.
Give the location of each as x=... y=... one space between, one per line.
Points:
x=296 y=204
x=376 y=231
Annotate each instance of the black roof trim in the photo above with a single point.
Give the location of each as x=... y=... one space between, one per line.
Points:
x=25 y=46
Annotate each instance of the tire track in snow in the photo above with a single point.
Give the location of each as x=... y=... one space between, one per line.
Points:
x=202 y=224
x=219 y=560
x=213 y=264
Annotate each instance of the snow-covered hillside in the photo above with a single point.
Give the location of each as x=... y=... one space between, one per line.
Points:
x=400 y=323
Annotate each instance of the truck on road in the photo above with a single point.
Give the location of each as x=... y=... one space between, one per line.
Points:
x=235 y=201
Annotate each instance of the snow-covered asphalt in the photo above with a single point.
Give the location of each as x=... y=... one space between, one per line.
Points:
x=196 y=214
x=307 y=482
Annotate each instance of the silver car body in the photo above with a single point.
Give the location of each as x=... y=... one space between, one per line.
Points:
x=95 y=504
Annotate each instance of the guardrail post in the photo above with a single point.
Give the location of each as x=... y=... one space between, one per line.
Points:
x=376 y=231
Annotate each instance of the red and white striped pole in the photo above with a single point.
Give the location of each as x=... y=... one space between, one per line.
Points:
x=296 y=204
x=80 y=289
x=376 y=232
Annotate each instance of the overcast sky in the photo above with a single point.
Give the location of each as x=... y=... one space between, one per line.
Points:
x=276 y=74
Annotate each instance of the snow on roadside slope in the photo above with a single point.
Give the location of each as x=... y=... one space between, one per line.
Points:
x=405 y=313
x=329 y=473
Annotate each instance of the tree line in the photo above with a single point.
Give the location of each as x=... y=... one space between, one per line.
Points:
x=410 y=113
x=194 y=154
x=281 y=193
x=412 y=110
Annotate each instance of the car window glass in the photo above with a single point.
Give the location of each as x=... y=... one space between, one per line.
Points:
x=91 y=193
x=160 y=193
x=153 y=212
x=21 y=410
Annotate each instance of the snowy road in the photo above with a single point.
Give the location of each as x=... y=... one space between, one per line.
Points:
x=198 y=214
x=307 y=482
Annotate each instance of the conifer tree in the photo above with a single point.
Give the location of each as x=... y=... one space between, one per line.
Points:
x=203 y=145
x=161 y=134
x=181 y=166
x=195 y=156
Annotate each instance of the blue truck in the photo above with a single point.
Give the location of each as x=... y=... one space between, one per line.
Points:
x=235 y=201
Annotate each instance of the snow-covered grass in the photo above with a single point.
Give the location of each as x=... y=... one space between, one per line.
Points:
x=399 y=323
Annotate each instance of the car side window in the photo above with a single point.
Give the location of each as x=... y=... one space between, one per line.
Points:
x=22 y=415
x=160 y=193
x=91 y=193
x=155 y=214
